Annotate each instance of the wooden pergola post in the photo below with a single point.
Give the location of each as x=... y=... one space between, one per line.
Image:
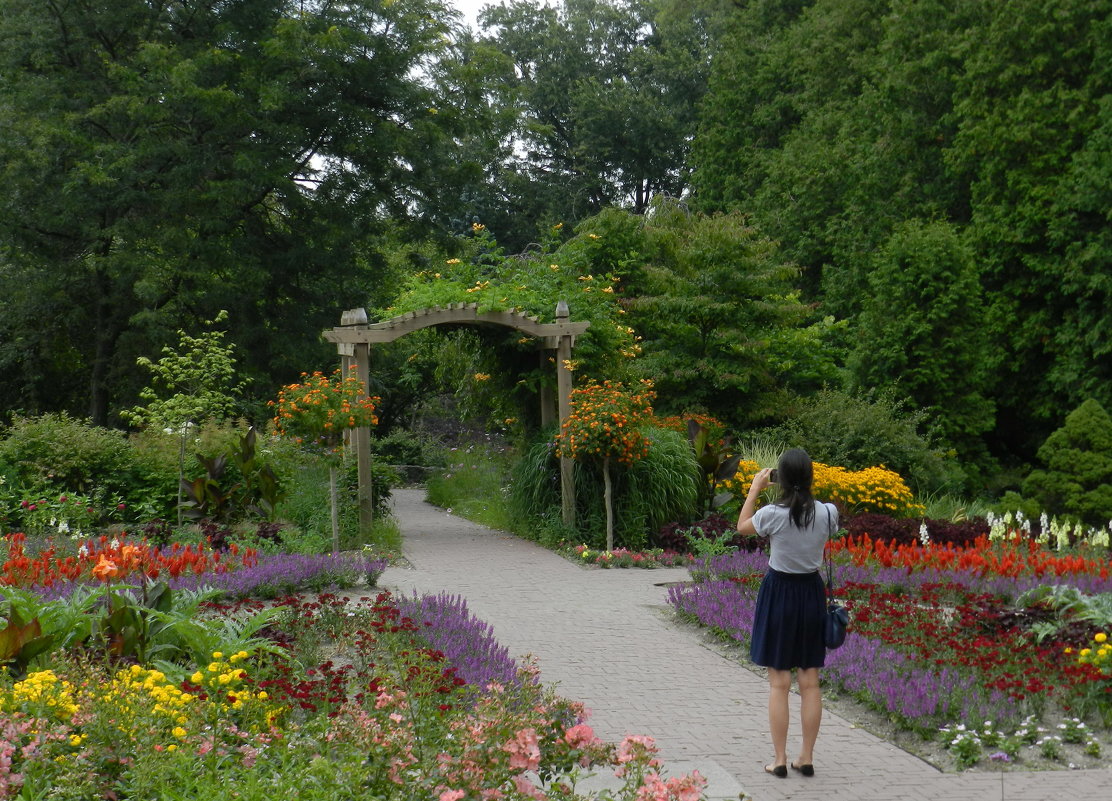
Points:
x=356 y=358
x=563 y=399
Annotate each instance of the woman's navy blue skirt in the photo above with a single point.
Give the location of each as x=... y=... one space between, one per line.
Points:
x=787 y=628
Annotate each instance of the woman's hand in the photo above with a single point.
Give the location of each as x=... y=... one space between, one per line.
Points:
x=761 y=481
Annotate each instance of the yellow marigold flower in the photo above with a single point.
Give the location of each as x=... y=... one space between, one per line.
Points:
x=217 y=655
x=197 y=677
x=172 y=747
x=1101 y=637
x=178 y=732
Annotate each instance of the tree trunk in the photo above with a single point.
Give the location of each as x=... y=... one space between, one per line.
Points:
x=181 y=469
x=608 y=498
x=334 y=496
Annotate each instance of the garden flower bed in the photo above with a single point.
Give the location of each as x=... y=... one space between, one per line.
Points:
x=188 y=684
x=623 y=557
x=939 y=648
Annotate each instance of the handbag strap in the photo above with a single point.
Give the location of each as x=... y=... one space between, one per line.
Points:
x=826 y=555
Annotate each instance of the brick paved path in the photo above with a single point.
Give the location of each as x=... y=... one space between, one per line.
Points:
x=604 y=637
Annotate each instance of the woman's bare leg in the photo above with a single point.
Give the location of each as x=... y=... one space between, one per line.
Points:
x=810 y=712
x=779 y=685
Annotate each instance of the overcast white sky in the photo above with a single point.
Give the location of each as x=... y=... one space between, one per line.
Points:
x=470 y=9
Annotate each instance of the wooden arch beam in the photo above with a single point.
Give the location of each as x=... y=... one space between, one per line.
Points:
x=547 y=334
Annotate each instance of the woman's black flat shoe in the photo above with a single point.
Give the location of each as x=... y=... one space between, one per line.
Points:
x=779 y=771
x=806 y=770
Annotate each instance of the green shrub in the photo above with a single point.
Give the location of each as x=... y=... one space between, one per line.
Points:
x=860 y=431
x=402 y=446
x=306 y=506
x=156 y=452
x=63 y=452
x=1076 y=477
x=660 y=488
x=61 y=475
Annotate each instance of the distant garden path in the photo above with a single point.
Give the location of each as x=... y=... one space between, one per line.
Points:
x=605 y=638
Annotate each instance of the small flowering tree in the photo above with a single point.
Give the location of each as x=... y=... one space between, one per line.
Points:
x=317 y=412
x=605 y=425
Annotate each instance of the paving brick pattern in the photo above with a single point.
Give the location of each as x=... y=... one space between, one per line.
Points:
x=604 y=638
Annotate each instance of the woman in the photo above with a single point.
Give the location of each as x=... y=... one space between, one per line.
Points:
x=791 y=603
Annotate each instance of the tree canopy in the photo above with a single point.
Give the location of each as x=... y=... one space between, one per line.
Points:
x=166 y=160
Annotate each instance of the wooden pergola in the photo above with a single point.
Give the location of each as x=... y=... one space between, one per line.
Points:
x=555 y=341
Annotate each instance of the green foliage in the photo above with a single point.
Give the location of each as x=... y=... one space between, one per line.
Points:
x=603 y=98
x=401 y=446
x=533 y=282
x=305 y=504
x=706 y=294
x=191 y=383
x=63 y=452
x=473 y=485
x=156 y=470
x=126 y=219
x=715 y=464
x=21 y=641
x=921 y=331
x=1076 y=474
x=1069 y=605
x=859 y=431
x=1033 y=142
x=253 y=489
x=660 y=488
x=857 y=118
x=64 y=474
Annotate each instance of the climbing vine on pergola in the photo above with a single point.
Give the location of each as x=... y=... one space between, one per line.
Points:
x=555 y=342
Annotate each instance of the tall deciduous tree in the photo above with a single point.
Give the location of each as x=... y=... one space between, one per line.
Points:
x=605 y=93
x=710 y=297
x=922 y=332
x=1035 y=140
x=165 y=160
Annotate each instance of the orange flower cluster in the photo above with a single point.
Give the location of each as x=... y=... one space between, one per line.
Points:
x=1010 y=558
x=321 y=407
x=105 y=560
x=605 y=422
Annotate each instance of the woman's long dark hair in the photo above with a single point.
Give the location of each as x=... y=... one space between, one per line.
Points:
x=795 y=475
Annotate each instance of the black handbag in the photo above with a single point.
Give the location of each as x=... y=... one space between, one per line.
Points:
x=837 y=618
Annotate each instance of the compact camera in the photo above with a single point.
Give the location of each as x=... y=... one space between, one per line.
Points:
x=774 y=476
